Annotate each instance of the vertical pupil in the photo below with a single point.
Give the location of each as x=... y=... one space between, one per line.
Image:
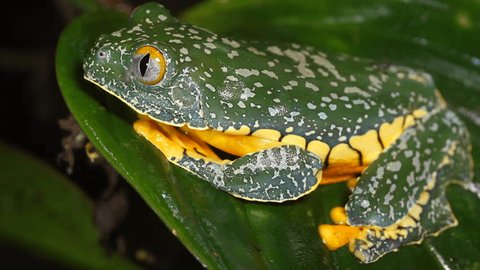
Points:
x=144 y=64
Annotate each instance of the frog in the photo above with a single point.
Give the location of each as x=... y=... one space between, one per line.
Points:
x=270 y=122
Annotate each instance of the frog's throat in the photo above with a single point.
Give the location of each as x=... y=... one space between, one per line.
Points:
x=344 y=161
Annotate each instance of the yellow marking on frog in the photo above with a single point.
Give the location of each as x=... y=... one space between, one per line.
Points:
x=194 y=148
x=416 y=211
x=368 y=145
x=389 y=132
x=431 y=184
x=424 y=196
x=319 y=148
x=406 y=221
x=149 y=130
x=419 y=113
x=343 y=164
x=336 y=236
x=409 y=121
x=440 y=99
x=319 y=177
x=418 y=78
x=343 y=154
x=338 y=215
x=244 y=130
x=352 y=183
x=289 y=129
x=295 y=140
x=237 y=145
x=269 y=134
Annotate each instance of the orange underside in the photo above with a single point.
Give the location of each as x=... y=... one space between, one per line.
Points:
x=201 y=141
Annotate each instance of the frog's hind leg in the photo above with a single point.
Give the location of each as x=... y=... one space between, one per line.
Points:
x=276 y=174
x=400 y=198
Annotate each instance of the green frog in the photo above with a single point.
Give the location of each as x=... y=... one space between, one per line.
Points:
x=271 y=122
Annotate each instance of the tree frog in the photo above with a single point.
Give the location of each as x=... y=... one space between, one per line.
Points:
x=271 y=122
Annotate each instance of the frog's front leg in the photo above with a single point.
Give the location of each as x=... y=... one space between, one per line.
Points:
x=277 y=174
x=274 y=175
x=400 y=198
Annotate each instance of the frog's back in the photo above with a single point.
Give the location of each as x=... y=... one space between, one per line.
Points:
x=298 y=90
x=289 y=88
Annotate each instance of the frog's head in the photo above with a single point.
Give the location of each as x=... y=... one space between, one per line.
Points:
x=139 y=65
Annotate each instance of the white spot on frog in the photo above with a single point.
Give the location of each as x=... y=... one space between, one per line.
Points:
x=241 y=104
x=311 y=86
x=292 y=115
x=231 y=43
x=275 y=50
x=277 y=110
x=394 y=166
x=322 y=115
x=162 y=17
x=326 y=99
x=323 y=62
x=177 y=41
x=210 y=45
x=270 y=74
x=232 y=54
x=355 y=90
x=389 y=196
x=256 y=51
x=245 y=72
x=210 y=87
x=311 y=106
x=365 y=204
x=117 y=33
x=375 y=81
x=232 y=78
x=247 y=93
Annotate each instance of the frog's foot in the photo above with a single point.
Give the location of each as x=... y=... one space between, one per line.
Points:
x=339 y=235
x=400 y=198
x=261 y=170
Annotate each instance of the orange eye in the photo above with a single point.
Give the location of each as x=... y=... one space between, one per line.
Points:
x=149 y=65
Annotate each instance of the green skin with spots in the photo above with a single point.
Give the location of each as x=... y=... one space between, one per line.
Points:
x=218 y=83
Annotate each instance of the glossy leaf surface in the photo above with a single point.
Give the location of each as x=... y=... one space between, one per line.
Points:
x=43 y=213
x=226 y=232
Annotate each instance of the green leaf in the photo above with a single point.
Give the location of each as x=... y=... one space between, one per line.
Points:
x=226 y=232
x=42 y=212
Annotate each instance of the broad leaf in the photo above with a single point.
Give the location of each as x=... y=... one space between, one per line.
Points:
x=43 y=213
x=226 y=232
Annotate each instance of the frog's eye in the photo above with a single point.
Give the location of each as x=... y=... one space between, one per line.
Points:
x=149 y=65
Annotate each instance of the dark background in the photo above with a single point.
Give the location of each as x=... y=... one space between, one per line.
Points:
x=31 y=106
